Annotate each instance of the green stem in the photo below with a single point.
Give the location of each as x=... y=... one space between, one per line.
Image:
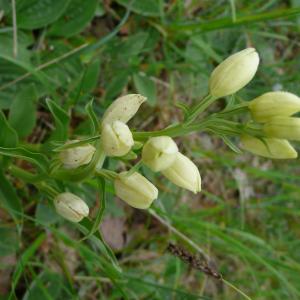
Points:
x=199 y=108
x=173 y=131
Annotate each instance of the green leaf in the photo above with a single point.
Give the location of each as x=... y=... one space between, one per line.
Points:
x=221 y=23
x=67 y=71
x=87 y=83
x=9 y=198
x=86 y=227
x=37 y=159
x=90 y=78
x=8 y=136
x=116 y=85
x=61 y=119
x=92 y=117
x=9 y=242
x=24 y=40
x=45 y=214
x=45 y=286
x=96 y=223
x=146 y=87
x=26 y=256
x=33 y=14
x=184 y=108
x=101 y=258
x=13 y=67
x=143 y=7
x=22 y=115
x=75 y=18
x=133 y=45
x=231 y=145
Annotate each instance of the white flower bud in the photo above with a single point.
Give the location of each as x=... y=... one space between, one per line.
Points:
x=159 y=153
x=75 y=157
x=116 y=138
x=233 y=73
x=123 y=108
x=283 y=128
x=184 y=173
x=274 y=104
x=71 y=207
x=269 y=147
x=135 y=189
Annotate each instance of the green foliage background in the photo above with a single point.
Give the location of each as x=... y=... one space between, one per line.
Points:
x=246 y=218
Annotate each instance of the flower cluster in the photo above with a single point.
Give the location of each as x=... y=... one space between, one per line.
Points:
x=274 y=112
x=159 y=154
x=271 y=112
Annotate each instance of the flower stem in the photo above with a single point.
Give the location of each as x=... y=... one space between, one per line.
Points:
x=110 y=175
x=199 y=108
x=172 y=131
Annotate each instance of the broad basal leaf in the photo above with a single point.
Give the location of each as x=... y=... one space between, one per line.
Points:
x=146 y=87
x=22 y=115
x=75 y=18
x=33 y=14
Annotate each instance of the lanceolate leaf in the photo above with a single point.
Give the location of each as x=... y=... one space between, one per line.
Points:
x=61 y=119
x=101 y=210
x=8 y=136
x=9 y=199
x=231 y=145
x=37 y=159
x=92 y=117
x=22 y=115
x=26 y=256
x=145 y=8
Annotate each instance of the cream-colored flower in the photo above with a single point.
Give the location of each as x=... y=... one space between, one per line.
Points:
x=268 y=147
x=184 y=173
x=159 y=153
x=71 y=207
x=116 y=139
x=75 y=157
x=273 y=104
x=283 y=128
x=135 y=189
x=233 y=73
x=123 y=108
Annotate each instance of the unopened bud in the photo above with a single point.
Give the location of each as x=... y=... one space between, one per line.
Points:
x=268 y=147
x=274 y=104
x=135 y=189
x=233 y=73
x=116 y=138
x=75 y=157
x=184 y=173
x=123 y=108
x=159 y=153
x=283 y=128
x=71 y=207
